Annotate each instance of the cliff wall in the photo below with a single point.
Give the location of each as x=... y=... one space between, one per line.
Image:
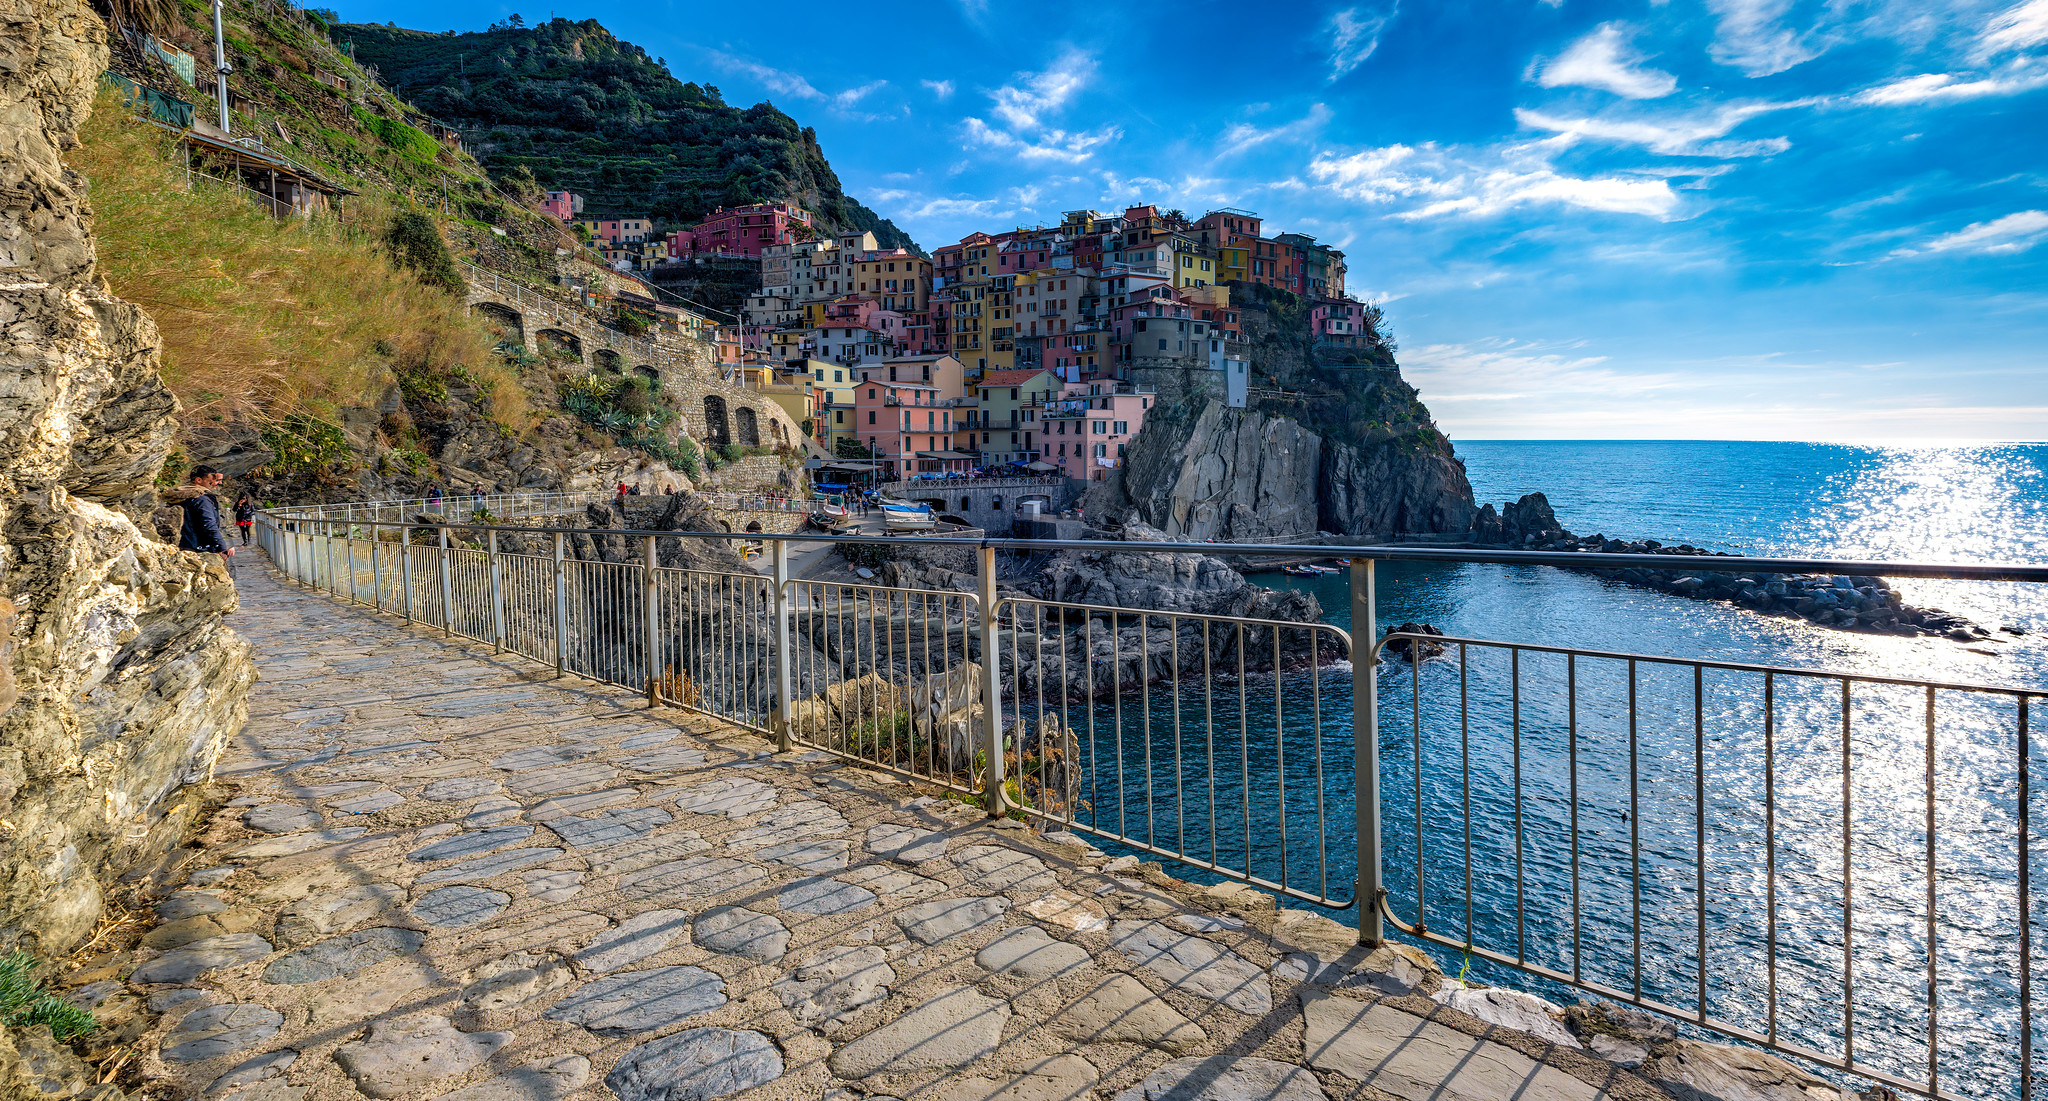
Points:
x=125 y=682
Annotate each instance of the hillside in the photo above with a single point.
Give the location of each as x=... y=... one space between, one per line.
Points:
x=578 y=108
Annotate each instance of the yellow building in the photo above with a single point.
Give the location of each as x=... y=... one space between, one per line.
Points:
x=899 y=279
x=785 y=385
x=1233 y=262
x=1004 y=423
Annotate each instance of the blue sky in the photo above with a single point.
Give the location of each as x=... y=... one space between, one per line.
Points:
x=1734 y=219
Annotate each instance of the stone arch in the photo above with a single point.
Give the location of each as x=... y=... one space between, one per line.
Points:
x=644 y=371
x=961 y=521
x=560 y=342
x=508 y=321
x=716 y=429
x=781 y=436
x=606 y=360
x=749 y=425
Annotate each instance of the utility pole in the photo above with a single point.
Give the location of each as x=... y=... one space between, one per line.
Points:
x=220 y=66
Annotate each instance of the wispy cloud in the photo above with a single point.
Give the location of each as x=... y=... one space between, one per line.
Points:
x=1604 y=60
x=1354 y=34
x=2010 y=234
x=940 y=89
x=1936 y=88
x=777 y=81
x=852 y=96
x=1244 y=135
x=1751 y=36
x=1025 y=102
x=1432 y=182
x=1044 y=145
x=1675 y=135
x=910 y=204
x=2015 y=28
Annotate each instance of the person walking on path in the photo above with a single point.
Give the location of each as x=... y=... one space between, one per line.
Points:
x=201 y=531
x=245 y=515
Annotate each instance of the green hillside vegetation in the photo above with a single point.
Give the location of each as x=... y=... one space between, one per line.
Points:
x=577 y=108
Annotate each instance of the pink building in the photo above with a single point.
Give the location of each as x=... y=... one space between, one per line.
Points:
x=565 y=205
x=620 y=231
x=908 y=425
x=746 y=230
x=1086 y=429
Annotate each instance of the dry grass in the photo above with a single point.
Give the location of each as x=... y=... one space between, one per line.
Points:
x=262 y=318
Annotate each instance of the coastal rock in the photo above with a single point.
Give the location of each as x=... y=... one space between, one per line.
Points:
x=119 y=680
x=1693 y=1071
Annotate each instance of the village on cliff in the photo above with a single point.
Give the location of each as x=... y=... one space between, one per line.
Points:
x=1028 y=348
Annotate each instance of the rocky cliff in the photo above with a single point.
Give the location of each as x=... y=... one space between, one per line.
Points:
x=126 y=682
x=1240 y=475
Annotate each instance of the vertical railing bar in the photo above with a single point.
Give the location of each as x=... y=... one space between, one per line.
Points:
x=1635 y=840
x=1180 y=803
x=561 y=595
x=348 y=535
x=1315 y=685
x=1571 y=689
x=2026 y=909
x=1848 y=894
x=1116 y=673
x=1244 y=758
x=1699 y=810
x=376 y=567
x=1209 y=738
x=1279 y=759
x=1415 y=728
x=1465 y=769
x=1515 y=726
x=1770 y=859
x=1933 y=946
x=1144 y=687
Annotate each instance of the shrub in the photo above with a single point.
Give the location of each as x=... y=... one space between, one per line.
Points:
x=304 y=445
x=24 y=1002
x=730 y=452
x=407 y=141
x=416 y=244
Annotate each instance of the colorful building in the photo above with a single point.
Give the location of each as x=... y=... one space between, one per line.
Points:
x=564 y=205
x=1087 y=429
x=1005 y=413
x=749 y=230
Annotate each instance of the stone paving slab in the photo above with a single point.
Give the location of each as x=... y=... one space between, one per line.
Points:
x=465 y=880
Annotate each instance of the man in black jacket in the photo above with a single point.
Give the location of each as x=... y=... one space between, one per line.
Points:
x=202 y=513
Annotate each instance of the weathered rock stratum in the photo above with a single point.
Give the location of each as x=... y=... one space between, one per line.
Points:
x=128 y=682
x=1241 y=475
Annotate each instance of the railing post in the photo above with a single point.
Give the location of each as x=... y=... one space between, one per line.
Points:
x=561 y=611
x=1365 y=731
x=348 y=547
x=649 y=584
x=447 y=584
x=327 y=552
x=497 y=595
x=376 y=568
x=405 y=569
x=992 y=795
x=785 y=665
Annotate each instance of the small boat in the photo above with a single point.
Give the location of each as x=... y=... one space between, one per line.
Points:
x=1314 y=568
x=831 y=512
x=1300 y=571
x=904 y=516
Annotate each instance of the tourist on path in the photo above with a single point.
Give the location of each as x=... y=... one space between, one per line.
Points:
x=201 y=531
x=245 y=515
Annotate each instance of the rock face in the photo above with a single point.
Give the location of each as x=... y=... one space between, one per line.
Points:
x=1235 y=474
x=129 y=684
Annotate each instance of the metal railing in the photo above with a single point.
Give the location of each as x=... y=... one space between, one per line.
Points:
x=1740 y=847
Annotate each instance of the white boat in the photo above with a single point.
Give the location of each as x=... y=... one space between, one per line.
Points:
x=908 y=521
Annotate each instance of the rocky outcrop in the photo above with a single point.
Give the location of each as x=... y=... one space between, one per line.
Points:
x=129 y=683
x=1856 y=603
x=1236 y=475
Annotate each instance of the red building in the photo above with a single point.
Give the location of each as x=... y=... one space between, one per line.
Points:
x=746 y=230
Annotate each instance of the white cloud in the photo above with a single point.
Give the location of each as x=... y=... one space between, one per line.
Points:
x=1751 y=38
x=1025 y=102
x=1433 y=182
x=908 y=204
x=1604 y=60
x=775 y=80
x=1244 y=135
x=941 y=89
x=2016 y=28
x=1678 y=135
x=1354 y=35
x=852 y=96
x=2019 y=77
x=2010 y=234
x=1045 y=145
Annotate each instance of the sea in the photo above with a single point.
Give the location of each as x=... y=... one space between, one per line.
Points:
x=1693 y=850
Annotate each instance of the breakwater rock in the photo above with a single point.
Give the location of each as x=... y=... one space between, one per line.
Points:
x=1846 y=603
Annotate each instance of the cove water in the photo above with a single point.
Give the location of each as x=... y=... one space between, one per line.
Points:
x=1644 y=900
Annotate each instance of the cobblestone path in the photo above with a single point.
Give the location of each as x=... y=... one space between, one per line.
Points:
x=445 y=875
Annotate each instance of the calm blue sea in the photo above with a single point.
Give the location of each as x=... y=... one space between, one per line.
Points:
x=1770 y=883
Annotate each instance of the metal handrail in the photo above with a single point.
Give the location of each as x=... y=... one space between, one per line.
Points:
x=837 y=667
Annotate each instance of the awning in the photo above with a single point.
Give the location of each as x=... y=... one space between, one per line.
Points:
x=1040 y=466
x=852 y=465
x=962 y=455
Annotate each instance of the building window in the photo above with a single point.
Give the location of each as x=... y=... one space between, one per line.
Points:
x=1122 y=427
x=1101 y=451
x=871 y=416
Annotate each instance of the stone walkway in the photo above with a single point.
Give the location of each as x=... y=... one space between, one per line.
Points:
x=441 y=874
